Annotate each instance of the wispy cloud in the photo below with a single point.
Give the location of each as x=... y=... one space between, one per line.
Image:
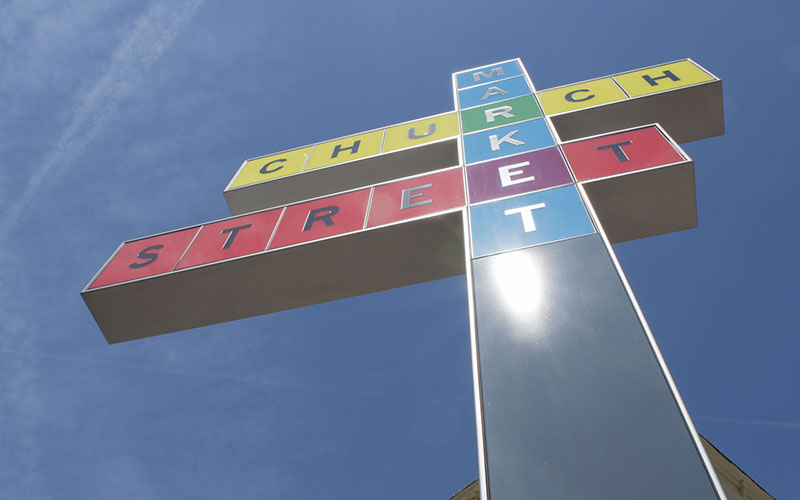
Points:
x=150 y=35
x=286 y=384
x=146 y=39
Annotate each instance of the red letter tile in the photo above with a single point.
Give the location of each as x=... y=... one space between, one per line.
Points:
x=231 y=238
x=415 y=197
x=618 y=153
x=146 y=257
x=318 y=219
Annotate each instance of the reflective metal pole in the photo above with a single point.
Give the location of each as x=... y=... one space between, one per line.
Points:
x=573 y=399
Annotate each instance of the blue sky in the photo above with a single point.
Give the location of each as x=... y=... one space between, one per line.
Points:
x=126 y=119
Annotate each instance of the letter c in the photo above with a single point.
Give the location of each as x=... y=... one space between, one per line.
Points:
x=266 y=170
x=571 y=96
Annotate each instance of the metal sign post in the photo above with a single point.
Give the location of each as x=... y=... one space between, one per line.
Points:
x=523 y=191
x=572 y=395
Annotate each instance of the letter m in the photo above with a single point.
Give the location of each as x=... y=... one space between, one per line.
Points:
x=494 y=71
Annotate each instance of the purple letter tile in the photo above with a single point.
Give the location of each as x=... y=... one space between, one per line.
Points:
x=518 y=174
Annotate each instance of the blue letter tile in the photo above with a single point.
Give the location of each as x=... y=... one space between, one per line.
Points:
x=532 y=219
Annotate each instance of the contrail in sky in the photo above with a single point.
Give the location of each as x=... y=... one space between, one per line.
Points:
x=755 y=422
x=21 y=475
x=151 y=34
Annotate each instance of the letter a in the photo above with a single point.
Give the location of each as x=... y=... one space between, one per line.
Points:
x=493 y=91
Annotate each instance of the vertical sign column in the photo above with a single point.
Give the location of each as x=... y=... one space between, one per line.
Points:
x=571 y=399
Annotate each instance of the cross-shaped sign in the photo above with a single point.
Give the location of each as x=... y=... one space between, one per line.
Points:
x=523 y=191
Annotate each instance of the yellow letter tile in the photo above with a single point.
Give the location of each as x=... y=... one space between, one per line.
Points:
x=579 y=96
x=661 y=78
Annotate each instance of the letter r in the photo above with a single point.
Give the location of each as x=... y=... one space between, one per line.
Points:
x=504 y=111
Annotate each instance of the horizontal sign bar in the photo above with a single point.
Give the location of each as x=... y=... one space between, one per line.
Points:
x=278 y=228
x=682 y=96
x=358 y=263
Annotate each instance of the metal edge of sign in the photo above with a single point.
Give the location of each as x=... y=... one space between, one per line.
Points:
x=366 y=212
x=229 y=189
x=236 y=175
x=477 y=389
x=564 y=159
x=283 y=208
x=672 y=142
x=383 y=142
x=308 y=158
x=187 y=248
x=616 y=83
x=102 y=268
x=658 y=356
x=712 y=75
x=278 y=223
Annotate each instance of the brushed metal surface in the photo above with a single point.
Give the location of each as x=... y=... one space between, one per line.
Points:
x=646 y=203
